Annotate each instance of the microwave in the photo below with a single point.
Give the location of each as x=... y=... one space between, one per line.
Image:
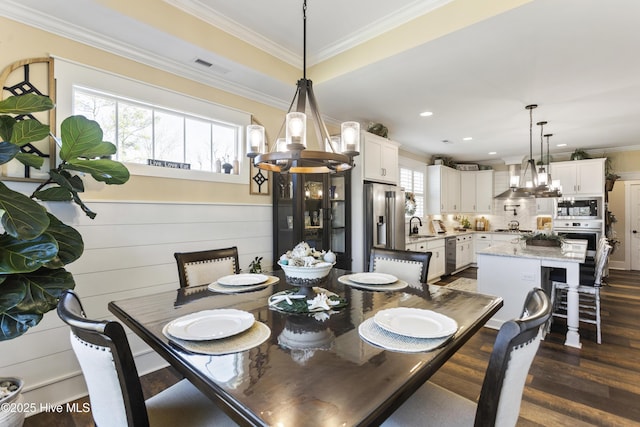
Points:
x=578 y=209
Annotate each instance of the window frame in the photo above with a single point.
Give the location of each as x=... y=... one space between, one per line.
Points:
x=69 y=74
x=414 y=166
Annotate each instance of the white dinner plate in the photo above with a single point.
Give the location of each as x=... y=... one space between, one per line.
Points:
x=243 y=279
x=216 y=287
x=373 y=278
x=370 y=332
x=395 y=286
x=210 y=324
x=252 y=337
x=416 y=322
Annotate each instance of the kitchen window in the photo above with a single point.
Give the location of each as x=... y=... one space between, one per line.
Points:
x=152 y=122
x=412 y=181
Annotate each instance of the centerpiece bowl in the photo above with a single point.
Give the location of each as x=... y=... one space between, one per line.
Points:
x=306 y=276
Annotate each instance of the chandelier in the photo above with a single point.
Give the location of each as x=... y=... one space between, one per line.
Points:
x=536 y=183
x=290 y=154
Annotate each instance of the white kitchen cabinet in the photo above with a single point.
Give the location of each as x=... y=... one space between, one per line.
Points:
x=580 y=177
x=464 y=250
x=481 y=241
x=380 y=158
x=437 y=262
x=443 y=184
x=476 y=191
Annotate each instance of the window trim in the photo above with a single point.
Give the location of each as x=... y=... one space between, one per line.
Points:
x=69 y=73
x=416 y=166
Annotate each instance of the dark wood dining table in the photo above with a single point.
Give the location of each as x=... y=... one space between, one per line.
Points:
x=309 y=372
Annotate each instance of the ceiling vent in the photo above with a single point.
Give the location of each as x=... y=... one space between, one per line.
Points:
x=215 y=68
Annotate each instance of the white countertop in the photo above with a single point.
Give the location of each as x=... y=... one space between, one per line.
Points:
x=572 y=251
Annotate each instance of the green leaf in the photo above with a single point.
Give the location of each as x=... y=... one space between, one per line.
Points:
x=29 y=130
x=70 y=243
x=24 y=104
x=6 y=126
x=24 y=256
x=54 y=194
x=44 y=288
x=31 y=160
x=104 y=170
x=14 y=322
x=66 y=180
x=7 y=151
x=101 y=150
x=23 y=218
x=79 y=136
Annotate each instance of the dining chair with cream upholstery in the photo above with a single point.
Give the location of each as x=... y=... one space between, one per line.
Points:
x=412 y=267
x=204 y=267
x=115 y=392
x=499 y=403
x=588 y=294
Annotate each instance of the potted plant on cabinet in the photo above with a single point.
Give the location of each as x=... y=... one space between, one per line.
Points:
x=35 y=246
x=609 y=174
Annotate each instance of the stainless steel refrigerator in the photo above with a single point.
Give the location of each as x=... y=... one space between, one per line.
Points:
x=384 y=225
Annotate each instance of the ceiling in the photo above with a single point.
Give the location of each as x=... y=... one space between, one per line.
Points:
x=577 y=59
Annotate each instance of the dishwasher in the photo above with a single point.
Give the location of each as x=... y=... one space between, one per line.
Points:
x=450 y=255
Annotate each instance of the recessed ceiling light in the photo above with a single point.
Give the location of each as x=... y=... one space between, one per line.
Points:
x=446 y=141
x=492 y=153
x=561 y=145
x=467 y=138
x=426 y=114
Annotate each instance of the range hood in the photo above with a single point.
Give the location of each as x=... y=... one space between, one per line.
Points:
x=515 y=191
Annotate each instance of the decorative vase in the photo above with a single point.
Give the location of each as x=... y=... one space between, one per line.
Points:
x=11 y=411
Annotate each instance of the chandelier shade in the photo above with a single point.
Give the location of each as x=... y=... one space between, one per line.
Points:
x=289 y=154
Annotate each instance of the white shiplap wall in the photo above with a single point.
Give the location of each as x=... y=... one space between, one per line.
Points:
x=129 y=250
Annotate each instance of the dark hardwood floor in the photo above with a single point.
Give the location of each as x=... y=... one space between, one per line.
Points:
x=598 y=385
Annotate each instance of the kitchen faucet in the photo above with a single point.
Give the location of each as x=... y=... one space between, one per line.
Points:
x=414 y=230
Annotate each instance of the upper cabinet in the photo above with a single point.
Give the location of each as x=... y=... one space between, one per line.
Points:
x=580 y=177
x=443 y=185
x=380 y=159
x=476 y=191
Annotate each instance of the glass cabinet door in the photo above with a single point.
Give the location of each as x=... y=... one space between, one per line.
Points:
x=314 y=208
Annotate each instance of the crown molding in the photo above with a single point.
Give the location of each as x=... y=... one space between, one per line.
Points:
x=16 y=11
x=374 y=29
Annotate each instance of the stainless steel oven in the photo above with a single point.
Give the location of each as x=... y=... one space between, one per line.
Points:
x=589 y=230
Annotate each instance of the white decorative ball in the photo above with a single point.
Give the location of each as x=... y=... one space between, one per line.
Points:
x=330 y=257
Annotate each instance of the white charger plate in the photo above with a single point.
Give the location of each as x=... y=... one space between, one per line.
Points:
x=243 y=279
x=370 y=332
x=395 y=286
x=210 y=324
x=373 y=278
x=216 y=287
x=416 y=322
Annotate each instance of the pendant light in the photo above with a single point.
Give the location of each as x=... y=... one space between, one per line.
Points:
x=291 y=154
x=544 y=188
x=526 y=191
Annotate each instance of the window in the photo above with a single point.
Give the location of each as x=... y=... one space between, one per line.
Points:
x=413 y=182
x=142 y=131
x=153 y=122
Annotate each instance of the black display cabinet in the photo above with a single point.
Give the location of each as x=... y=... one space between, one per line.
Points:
x=314 y=208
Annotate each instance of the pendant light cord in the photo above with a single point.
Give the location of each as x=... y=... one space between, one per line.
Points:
x=304 y=39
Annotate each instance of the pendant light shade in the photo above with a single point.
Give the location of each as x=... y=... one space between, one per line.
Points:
x=291 y=154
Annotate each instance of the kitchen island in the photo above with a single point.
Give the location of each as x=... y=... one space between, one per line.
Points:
x=510 y=270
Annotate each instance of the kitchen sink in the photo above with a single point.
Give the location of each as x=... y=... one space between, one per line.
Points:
x=421 y=236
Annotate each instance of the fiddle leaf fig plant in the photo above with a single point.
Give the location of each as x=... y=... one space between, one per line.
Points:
x=35 y=246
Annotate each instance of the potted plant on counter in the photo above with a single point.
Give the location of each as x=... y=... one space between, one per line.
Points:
x=543 y=239
x=35 y=246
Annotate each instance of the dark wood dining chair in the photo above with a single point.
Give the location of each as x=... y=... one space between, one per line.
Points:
x=112 y=379
x=499 y=403
x=412 y=267
x=204 y=267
